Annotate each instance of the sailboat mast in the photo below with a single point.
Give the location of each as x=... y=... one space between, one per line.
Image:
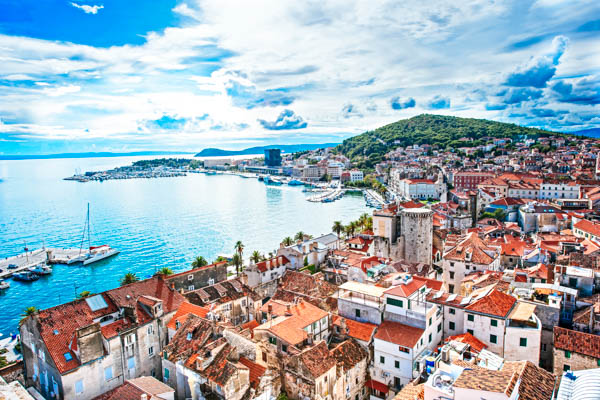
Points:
x=88 y=227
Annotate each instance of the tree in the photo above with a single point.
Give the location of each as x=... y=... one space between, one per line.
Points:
x=256 y=256
x=128 y=278
x=165 y=271
x=220 y=259
x=199 y=262
x=84 y=294
x=287 y=241
x=299 y=236
x=337 y=227
x=237 y=261
x=239 y=247
x=29 y=311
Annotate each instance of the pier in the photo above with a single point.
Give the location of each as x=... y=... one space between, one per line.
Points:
x=30 y=259
x=373 y=198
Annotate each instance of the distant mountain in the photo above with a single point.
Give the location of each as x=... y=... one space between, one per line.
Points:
x=286 y=148
x=89 y=155
x=593 y=133
x=368 y=148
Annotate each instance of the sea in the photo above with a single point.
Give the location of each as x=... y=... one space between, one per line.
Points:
x=155 y=223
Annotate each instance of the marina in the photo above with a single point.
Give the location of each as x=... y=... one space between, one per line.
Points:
x=37 y=260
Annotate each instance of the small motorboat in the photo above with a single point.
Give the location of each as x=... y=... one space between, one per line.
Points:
x=4 y=285
x=26 y=276
x=41 y=269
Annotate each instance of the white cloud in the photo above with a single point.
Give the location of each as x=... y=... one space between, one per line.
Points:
x=88 y=9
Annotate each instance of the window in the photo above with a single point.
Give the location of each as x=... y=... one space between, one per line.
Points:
x=451 y=326
x=470 y=317
x=108 y=373
x=598 y=362
x=190 y=277
x=264 y=356
x=493 y=339
x=452 y=311
x=523 y=342
x=357 y=313
x=566 y=367
x=451 y=288
x=131 y=363
x=189 y=336
x=451 y=275
x=79 y=387
x=284 y=348
x=470 y=331
x=567 y=354
x=191 y=287
x=452 y=264
x=430 y=338
x=68 y=357
x=397 y=364
x=494 y=322
x=543 y=346
x=151 y=351
x=439 y=328
x=150 y=330
x=166 y=373
x=272 y=340
x=381 y=360
x=404 y=349
x=429 y=321
x=395 y=302
x=211 y=282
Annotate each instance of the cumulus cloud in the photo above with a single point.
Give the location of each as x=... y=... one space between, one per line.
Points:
x=439 y=102
x=350 y=110
x=166 y=122
x=539 y=70
x=88 y=9
x=248 y=96
x=583 y=91
x=398 y=104
x=286 y=120
x=519 y=95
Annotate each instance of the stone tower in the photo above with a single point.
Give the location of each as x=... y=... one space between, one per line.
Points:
x=416 y=233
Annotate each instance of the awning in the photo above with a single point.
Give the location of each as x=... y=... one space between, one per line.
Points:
x=522 y=312
x=381 y=387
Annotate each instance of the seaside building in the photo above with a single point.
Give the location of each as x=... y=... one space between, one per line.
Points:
x=273 y=157
x=197 y=278
x=89 y=346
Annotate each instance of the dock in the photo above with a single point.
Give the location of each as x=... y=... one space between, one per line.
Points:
x=373 y=198
x=29 y=259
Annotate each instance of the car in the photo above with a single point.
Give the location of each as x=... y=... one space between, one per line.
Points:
x=12 y=266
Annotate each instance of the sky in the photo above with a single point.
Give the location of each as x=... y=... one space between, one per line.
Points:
x=114 y=75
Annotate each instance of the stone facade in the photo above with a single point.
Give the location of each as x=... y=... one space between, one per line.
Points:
x=198 y=278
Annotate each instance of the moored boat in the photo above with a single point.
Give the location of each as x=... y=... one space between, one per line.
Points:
x=41 y=269
x=295 y=182
x=25 y=276
x=98 y=253
x=4 y=285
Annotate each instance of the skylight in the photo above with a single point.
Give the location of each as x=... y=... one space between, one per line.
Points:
x=96 y=302
x=68 y=356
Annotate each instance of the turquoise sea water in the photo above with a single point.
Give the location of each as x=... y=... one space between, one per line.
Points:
x=154 y=222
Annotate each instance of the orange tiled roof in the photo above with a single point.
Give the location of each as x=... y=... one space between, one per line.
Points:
x=358 y=330
x=577 y=342
x=182 y=312
x=400 y=334
x=256 y=371
x=588 y=226
x=476 y=344
x=494 y=303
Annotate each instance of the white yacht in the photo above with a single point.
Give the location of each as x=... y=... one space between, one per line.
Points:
x=4 y=285
x=98 y=253
x=41 y=269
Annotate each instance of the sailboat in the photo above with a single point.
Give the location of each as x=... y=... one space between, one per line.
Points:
x=96 y=253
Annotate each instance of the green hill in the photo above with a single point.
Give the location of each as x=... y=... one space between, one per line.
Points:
x=440 y=131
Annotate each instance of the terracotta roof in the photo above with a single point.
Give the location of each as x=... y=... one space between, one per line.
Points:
x=495 y=303
x=133 y=389
x=151 y=385
x=405 y=290
x=476 y=248
x=58 y=325
x=291 y=328
x=577 y=342
x=349 y=353
x=191 y=271
x=358 y=330
x=273 y=263
x=184 y=309
x=476 y=344
x=400 y=334
x=411 y=391
x=588 y=226
x=317 y=359
x=256 y=371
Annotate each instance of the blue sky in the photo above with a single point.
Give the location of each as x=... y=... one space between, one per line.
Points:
x=183 y=75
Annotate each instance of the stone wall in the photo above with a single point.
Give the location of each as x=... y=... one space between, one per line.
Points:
x=576 y=361
x=245 y=347
x=200 y=277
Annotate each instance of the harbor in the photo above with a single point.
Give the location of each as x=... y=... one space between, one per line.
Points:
x=31 y=259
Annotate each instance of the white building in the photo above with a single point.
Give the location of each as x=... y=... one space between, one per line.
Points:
x=559 y=190
x=361 y=302
x=470 y=255
x=356 y=175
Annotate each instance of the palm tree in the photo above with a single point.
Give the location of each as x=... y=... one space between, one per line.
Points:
x=362 y=220
x=165 y=271
x=369 y=224
x=299 y=236
x=128 y=278
x=237 y=261
x=239 y=247
x=351 y=228
x=255 y=257
x=29 y=311
x=199 y=262
x=219 y=259
x=337 y=227
x=287 y=241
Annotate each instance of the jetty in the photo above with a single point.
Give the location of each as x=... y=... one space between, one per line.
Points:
x=373 y=198
x=28 y=259
x=328 y=196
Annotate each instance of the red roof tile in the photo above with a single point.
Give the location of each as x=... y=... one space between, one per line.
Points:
x=400 y=334
x=577 y=342
x=494 y=303
x=182 y=312
x=476 y=344
x=256 y=371
x=358 y=330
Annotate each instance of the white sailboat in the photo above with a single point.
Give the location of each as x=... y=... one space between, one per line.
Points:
x=95 y=253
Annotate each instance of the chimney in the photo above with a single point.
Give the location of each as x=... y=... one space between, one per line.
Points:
x=269 y=310
x=144 y=396
x=288 y=310
x=343 y=327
